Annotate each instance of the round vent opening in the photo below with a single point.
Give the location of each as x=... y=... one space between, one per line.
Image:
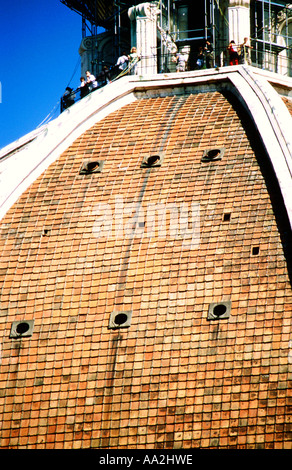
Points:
x=22 y=328
x=121 y=318
x=219 y=310
x=153 y=159
x=213 y=153
x=91 y=166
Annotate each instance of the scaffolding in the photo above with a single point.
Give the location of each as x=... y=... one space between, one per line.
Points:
x=189 y=24
x=272 y=35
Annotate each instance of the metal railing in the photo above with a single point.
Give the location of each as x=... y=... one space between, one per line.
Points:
x=277 y=59
x=113 y=73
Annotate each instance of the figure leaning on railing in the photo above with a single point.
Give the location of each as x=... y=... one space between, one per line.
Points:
x=134 y=58
x=245 y=49
x=91 y=81
x=181 y=61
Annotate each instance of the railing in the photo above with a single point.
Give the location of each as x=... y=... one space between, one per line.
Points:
x=273 y=57
x=276 y=59
x=113 y=73
x=71 y=96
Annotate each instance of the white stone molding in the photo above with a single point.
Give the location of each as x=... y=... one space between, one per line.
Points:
x=95 y=49
x=239 y=23
x=144 y=36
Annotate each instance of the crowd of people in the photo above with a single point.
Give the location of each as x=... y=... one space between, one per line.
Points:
x=236 y=54
x=127 y=63
x=89 y=83
x=205 y=59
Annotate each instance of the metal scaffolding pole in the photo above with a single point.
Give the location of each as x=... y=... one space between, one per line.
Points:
x=206 y=21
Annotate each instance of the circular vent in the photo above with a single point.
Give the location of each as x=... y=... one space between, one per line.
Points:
x=91 y=166
x=214 y=154
x=219 y=310
x=211 y=154
x=22 y=328
x=121 y=318
x=153 y=160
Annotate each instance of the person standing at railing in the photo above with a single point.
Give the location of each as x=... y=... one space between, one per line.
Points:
x=209 y=53
x=83 y=88
x=245 y=48
x=181 y=62
x=233 y=53
x=68 y=98
x=91 y=81
x=200 y=58
x=104 y=76
x=133 y=58
x=122 y=62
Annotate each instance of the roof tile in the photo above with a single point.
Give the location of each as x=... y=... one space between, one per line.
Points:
x=172 y=378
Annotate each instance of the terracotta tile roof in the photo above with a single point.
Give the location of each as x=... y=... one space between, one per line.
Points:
x=288 y=103
x=173 y=379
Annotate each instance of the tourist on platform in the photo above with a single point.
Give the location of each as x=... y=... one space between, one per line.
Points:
x=245 y=48
x=233 y=53
x=68 y=98
x=106 y=74
x=91 y=81
x=200 y=59
x=209 y=54
x=133 y=58
x=181 y=62
x=122 y=62
x=83 y=88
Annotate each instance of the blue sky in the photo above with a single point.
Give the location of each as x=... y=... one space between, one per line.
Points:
x=39 y=55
